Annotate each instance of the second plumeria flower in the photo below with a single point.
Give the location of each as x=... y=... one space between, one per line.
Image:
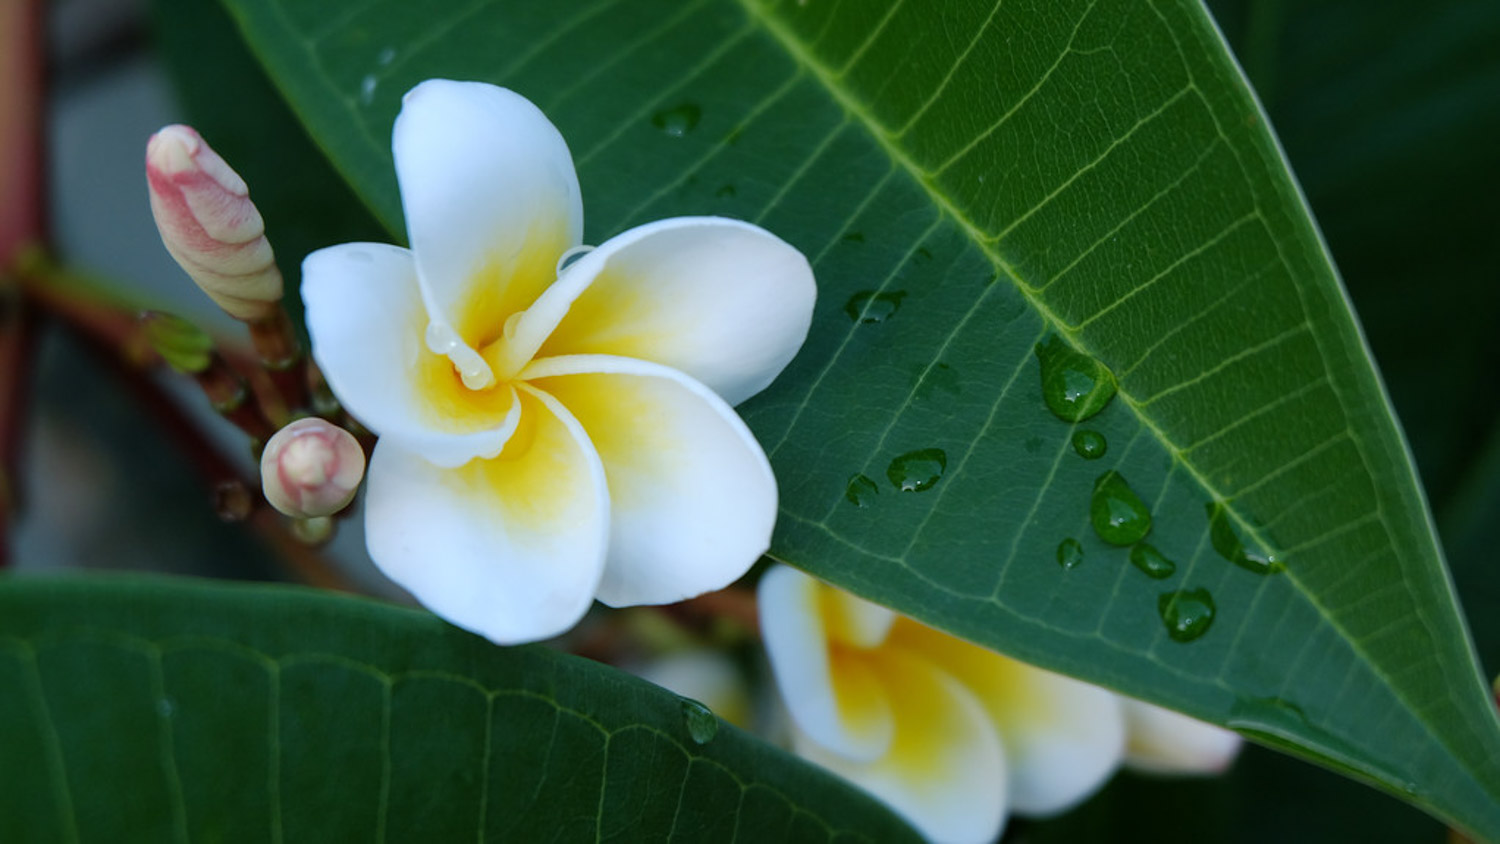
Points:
x=953 y=736
x=549 y=435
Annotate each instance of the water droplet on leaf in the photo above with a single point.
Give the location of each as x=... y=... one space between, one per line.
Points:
x=1187 y=613
x=1074 y=385
x=917 y=471
x=1069 y=553
x=1151 y=562
x=677 y=121
x=868 y=307
x=861 y=491
x=1090 y=445
x=1225 y=541
x=367 y=89
x=922 y=255
x=1117 y=513
x=702 y=724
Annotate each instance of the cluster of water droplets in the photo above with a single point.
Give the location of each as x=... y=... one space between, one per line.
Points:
x=1076 y=387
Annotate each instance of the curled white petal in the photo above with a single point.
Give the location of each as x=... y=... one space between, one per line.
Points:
x=1167 y=742
x=834 y=698
x=693 y=500
x=1063 y=738
x=945 y=771
x=511 y=548
x=723 y=301
x=491 y=201
x=367 y=324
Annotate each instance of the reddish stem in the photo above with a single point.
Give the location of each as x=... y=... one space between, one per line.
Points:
x=306 y=564
x=22 y=216
x=22 y=224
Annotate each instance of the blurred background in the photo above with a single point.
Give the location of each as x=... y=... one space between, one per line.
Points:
x=1389 y=111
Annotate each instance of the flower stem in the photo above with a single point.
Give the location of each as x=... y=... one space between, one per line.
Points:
x=275 y=341
x=22 y=223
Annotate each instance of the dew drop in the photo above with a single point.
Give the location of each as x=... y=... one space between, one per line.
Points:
x=367 y=89
x=1069 y=553
x=1151 y=562
x=570 y=257
x=677 y=121
x=1090 y=445
x=725 y=192
x=917 y=471
x=1225 y=541
x=1074 y=385
x=922 y=256
x=1117 y=513
x=702 y=724
x=861 y=491
x=868 y=306
x=1187 y=613
x=386 y=56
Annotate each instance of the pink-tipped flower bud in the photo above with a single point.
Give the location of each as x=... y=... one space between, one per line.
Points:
x=311 y=468
x=208 y=223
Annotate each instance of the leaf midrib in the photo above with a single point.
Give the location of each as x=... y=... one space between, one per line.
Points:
x=988 y=246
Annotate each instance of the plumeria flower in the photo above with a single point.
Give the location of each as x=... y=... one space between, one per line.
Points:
x=550 y=432
x=954 y=737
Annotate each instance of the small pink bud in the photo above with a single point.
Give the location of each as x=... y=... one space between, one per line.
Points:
x=208 y=223
x=311 y=468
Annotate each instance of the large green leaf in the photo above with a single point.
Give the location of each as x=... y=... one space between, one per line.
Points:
x=141 y=710
x=971 y=178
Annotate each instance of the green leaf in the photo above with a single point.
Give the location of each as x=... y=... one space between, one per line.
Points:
x=1399 y=101
x=155 y=710
x=971 y=179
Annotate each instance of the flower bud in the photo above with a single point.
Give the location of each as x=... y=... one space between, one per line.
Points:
x=208 y=223
x=311 y=468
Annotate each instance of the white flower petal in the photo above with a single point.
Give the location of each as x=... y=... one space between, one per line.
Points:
x=1166 y=742
x=510 y=548
x=491 y=201
x=946 y=769
x=1063 y=738
x=692 y=497
x=724 y=301
x=366 y=320
x=832 y=697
